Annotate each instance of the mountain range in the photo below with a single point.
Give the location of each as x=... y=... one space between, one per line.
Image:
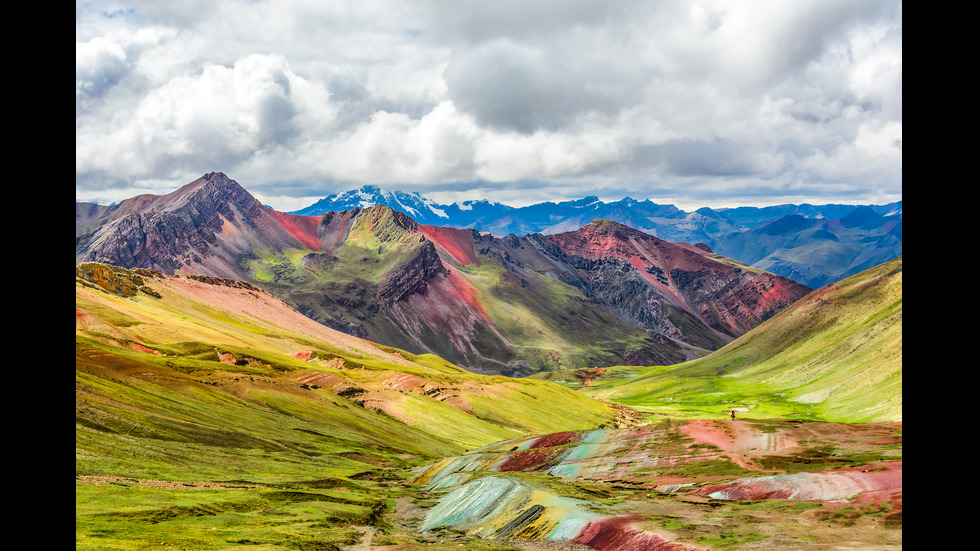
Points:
x=603 y=294
x=812 y=244
x=677 y=399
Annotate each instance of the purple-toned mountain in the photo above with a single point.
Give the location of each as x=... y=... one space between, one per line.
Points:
x=204 y=228
x=604 y=294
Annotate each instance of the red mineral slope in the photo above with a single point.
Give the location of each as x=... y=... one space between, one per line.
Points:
x=448 y=306
x=874 y=483
x=303 y=228
x=530 y=460
x=463 y=290
x=454 y=241
x=554 y=440
x=617 y=534
x=744 y=443
x=605 y=239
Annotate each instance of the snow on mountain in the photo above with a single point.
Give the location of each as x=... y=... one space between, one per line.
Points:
x=871 y=231
x=420 y=208
x=432 y=206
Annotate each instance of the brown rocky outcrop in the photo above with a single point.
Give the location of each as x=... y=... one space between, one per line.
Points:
x=113 y=278
x=412 y=276
x=224 y=282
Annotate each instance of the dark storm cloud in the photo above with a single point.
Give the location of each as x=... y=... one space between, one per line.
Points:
x=103 y=69
x=687 y=158
x=521 y=87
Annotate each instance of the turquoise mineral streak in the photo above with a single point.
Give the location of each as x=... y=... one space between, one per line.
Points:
x=483 y=498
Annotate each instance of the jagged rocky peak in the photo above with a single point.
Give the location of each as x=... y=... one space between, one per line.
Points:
x=171 y=231
x=212 y=188
x=215 y=192
x=219 y=179
x=219 y=182
x=211 y=182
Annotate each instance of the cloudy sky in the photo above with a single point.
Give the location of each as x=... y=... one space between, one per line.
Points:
x=688 y=102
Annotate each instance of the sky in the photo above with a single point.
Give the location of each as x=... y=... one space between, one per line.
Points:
x=716 y=103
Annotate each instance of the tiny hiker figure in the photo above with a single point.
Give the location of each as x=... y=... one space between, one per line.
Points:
x=733 y=414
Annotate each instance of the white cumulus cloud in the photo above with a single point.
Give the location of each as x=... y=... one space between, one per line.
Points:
x=677 y=100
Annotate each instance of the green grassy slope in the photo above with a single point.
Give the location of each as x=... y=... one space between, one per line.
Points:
x=201 y=425
x=834 y=355
x=550 y=324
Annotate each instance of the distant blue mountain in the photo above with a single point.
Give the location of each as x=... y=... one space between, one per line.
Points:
x=813 y=244
x=412 y=204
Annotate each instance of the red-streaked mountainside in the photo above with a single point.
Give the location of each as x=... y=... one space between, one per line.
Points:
x=729 y=297
x=455 y=242
x=601 y=295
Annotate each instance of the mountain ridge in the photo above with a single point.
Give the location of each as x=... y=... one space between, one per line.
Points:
x=719 y=229
x=513 y=305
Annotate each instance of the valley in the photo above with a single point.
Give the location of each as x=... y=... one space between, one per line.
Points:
x=442 y=275
x=210 y=414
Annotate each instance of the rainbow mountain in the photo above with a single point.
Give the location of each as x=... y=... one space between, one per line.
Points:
x=604 y=294
x=813 y=244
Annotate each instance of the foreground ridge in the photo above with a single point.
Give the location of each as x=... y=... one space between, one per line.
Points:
x=576 y=486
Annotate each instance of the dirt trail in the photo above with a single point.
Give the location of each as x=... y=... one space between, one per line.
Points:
x=625 y=416
x=366 y=540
